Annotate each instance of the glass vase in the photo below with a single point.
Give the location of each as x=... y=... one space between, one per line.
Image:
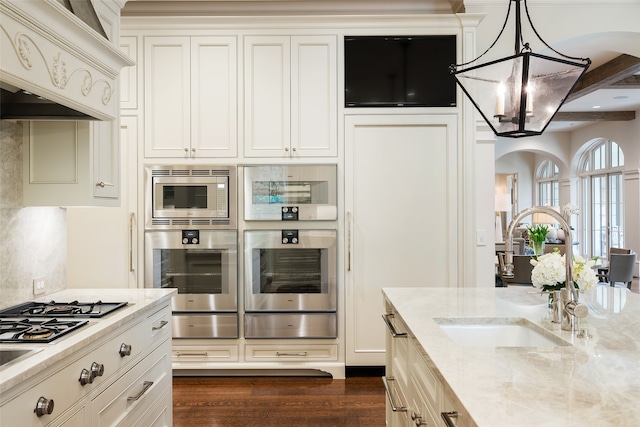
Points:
x=538 y=247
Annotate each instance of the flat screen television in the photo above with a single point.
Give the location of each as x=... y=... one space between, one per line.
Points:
x=399 y=71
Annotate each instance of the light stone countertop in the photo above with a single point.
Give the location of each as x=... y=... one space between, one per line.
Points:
x=593 y=382
x=140 y=303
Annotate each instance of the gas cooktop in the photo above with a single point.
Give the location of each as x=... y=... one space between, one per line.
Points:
x=73 y=309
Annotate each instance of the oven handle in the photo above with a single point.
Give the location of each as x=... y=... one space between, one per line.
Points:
x=348 y=241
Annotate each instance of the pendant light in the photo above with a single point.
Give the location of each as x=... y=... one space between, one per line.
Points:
x=519 y=95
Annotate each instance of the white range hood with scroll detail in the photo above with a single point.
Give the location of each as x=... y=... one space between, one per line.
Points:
x=48 y=51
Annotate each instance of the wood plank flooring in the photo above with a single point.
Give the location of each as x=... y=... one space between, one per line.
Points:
x=278 y=402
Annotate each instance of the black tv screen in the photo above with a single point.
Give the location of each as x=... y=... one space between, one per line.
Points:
x=399 y=71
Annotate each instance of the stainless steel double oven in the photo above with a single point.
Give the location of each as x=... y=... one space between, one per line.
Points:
x=290 y=272
x=191 y=244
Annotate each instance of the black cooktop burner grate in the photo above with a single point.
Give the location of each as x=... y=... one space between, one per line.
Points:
x=36 y=330
x=73 y=309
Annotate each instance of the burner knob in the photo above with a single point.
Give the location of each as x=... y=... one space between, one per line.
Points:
x=97 y=369
x=125 y=350
x=86 y=377
x=44 y=407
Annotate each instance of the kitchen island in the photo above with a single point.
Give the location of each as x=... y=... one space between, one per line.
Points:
x=572 y=381
x=116 y=368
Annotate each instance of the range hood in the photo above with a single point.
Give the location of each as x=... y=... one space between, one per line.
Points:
x=56 y=65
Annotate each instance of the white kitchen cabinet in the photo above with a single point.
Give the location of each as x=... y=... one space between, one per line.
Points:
x=190 y=102
x=290 y=96
x=415 y=394
x=71 y=163
x=401 y=220
x=129 y=77
x=122 y=395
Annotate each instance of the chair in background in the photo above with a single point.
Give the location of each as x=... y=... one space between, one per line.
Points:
x=621 y=268
x=521 y=270
x=604 y=270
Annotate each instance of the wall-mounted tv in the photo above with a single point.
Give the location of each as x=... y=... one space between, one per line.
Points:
x=399 y=71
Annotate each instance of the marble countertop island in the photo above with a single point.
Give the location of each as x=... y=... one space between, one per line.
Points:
x=591 y=382
x=140 y=302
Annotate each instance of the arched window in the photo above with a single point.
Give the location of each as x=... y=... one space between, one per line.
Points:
x=602 y=201
x=548 y=184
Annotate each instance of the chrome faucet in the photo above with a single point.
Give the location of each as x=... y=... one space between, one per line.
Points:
x=571 y=308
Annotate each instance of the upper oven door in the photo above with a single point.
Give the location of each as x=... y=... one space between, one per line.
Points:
x=290 y=192
x=201 y=264
x=190 y=196
x=290 y=270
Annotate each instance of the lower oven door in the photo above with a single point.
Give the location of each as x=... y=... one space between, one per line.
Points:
x=290 y=270
x=201 y=264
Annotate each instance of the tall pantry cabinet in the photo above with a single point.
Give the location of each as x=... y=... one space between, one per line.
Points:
x=400 y=173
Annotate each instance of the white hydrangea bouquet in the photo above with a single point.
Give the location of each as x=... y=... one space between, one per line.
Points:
x=549 y=272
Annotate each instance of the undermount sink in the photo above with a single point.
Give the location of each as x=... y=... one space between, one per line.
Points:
x=497 y=332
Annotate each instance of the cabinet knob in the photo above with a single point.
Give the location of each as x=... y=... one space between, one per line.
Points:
x=286 y=149
x=44 y=406
x=101 y=184
x=125 y=350
x=193 y=149
x=86 y=377
x=294 y=148
x=97 y=369
x=186 y=149
x=417 y=419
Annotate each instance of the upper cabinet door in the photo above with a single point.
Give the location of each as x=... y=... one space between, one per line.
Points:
x=314 y=96
x=290 y=100
x=167 y=100
x=267 y=104
x=214 y=98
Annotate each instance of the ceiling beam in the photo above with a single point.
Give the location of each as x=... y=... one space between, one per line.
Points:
x=595 y=116
x=632 y=82
x=617 y=69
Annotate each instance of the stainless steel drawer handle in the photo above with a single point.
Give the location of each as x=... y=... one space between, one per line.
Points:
x=387 y=389
x=162 y=325
x=392 y=329
x=146 y=384
x=204 y=353
x=292 y=354
x=447 y=417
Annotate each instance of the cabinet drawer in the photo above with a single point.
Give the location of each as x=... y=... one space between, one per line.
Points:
x=159 y=325
x=161 y=414
x=64 y=387
x=425 y=380
x=303 y=352
x=203 y=354
x=131 y=396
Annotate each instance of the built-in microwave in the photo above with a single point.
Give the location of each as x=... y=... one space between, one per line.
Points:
x=180 y=197
x=290 y=192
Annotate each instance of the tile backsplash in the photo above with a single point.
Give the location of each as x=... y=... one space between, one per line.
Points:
x=33 y=240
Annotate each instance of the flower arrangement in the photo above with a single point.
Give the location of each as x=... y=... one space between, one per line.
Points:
x=568 y=210
x=538 y=233
x=549 y=272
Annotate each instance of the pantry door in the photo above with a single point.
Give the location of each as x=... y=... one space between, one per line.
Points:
x=401 y=218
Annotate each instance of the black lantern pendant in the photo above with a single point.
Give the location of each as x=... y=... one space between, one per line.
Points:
x=519 y=95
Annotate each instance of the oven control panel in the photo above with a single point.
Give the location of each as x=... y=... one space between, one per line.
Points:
x=190 y=237
x=290 y=237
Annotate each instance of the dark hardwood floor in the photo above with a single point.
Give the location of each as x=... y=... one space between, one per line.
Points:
x=278 y=402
